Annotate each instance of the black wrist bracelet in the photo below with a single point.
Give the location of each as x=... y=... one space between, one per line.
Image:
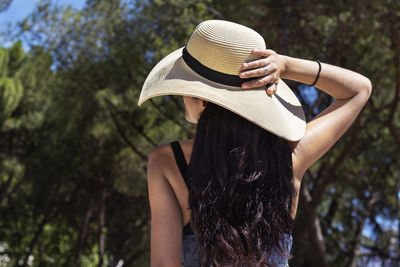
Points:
x=319 y=71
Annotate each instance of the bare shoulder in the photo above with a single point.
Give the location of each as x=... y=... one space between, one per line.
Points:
x=159 y=158
x=162 y=158
x=159 y=152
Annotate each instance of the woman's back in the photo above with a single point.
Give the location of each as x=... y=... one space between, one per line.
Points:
x=190 y=249
x=179 y=185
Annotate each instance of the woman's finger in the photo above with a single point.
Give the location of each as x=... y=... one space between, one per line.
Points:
x=271 y=89
x=259 y=71
x=255 y=64
x=263 y=52
x=259 y=82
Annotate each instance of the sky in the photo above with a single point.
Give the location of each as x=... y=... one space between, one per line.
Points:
x=19 y=9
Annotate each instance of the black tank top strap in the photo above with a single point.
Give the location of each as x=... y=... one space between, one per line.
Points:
x=182 y=165
x=180 y=160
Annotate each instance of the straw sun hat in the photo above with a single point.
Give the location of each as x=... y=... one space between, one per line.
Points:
x=208 y=68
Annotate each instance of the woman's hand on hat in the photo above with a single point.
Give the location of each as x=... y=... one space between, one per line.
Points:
x=269 y=70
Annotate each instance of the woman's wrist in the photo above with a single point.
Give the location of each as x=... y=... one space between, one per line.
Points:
x=300 y=70
x=283 y=60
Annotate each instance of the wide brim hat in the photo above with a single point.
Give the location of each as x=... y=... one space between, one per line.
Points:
x=208 y=67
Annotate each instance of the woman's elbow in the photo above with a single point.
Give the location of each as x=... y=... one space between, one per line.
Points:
x=365 y=89
x=368 y=86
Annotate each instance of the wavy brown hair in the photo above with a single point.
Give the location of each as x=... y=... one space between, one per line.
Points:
x=241 y=187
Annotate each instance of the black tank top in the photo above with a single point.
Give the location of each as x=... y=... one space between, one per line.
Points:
x=182 y=165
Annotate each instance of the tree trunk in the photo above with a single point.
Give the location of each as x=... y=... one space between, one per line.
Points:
x=356 y=246
x=314 y=228
x=354 y=251
x=35 y=239
x=83 y=235
x=101 y=224
x=300 y=239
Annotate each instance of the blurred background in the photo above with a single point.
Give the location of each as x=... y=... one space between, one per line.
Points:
x=74 y=144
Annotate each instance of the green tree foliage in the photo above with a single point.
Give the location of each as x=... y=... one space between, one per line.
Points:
x=74 y=144
x=10 y=86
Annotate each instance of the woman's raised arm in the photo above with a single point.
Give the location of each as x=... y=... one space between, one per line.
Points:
x=350 y=89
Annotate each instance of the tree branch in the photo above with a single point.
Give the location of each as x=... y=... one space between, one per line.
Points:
x=47 y=218
x=83 y=234
x=355 y=246
x=101 y=223
x=314 y=228
x=127 y=141
x=136 y=127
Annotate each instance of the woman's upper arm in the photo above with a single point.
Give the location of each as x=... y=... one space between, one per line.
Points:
x=324 y=131
x=166 y=218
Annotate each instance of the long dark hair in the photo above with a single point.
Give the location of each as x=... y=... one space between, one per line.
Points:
x=241 y=187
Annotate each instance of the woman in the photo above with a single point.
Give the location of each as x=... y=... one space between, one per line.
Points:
x=234 y=203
